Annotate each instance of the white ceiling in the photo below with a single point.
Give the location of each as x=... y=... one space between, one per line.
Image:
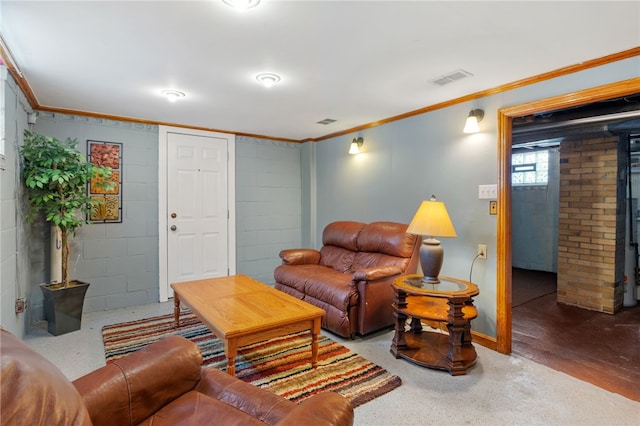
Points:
x=353 y=61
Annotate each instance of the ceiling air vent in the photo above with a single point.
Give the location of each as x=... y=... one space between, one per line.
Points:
x=326 y=121
x=451 y=77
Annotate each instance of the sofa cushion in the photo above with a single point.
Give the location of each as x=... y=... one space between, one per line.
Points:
x=319 y=282
x=342 y=234
x=294 y=276
x=365 y=260
x=195 y=408
x=337 y=258
x=340 y=242
x=332 y=287
x=388 y=238
x=258 y=403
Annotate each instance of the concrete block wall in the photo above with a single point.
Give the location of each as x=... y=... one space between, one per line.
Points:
x=268 y=204
x=534 y=222
x=14 y=232
x=589 y=223
x=119 y=260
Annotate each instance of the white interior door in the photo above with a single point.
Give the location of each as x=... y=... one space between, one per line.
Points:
x=196 y=216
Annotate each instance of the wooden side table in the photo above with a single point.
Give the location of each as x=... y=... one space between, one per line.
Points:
x=450 y=302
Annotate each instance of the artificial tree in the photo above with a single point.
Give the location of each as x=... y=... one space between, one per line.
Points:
x=56 y=175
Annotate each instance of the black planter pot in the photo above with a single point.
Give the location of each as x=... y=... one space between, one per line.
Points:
x=63 y=306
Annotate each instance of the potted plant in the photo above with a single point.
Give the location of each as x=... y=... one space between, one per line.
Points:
x=56 y=175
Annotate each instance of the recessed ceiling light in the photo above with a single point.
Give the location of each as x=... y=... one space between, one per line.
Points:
x=173 y=95
x=241 y=4
x=268 y=79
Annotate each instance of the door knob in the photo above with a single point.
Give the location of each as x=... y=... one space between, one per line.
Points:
x=173 y=227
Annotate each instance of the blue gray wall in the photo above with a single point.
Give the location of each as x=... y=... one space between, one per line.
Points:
x=119 y=260
x=534 y=217
x=403 y=162
x=15 y=241
x=268 y=204
x=406 y=161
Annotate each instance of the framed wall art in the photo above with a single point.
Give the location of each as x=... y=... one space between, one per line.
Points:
x=106 y=154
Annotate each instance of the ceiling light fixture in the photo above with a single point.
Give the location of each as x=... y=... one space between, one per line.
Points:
x=471 y=125
x=173 y=95
x=241 y=4
x=268 y=79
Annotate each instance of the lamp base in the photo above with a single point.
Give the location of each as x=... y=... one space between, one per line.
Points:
x=431 y=257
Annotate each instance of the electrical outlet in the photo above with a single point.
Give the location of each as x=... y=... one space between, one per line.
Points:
x=21 y=305
x=493 y=207
x=482 y=251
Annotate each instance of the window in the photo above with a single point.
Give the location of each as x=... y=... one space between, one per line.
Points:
x=530 y=168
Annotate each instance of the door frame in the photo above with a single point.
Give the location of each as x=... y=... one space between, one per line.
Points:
x=163 y=231
x=504 y=237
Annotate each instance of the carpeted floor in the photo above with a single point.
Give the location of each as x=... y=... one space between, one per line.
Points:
x=499 y=390
x=280 y=365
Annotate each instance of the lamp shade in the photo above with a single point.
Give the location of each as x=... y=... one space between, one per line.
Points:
x=356 y=143
x=432 y=220
x=471 y=125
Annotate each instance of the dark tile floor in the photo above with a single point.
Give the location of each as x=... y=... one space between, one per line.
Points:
x=598 y=348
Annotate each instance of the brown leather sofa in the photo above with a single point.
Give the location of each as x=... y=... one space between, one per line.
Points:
x=350 y=276
x=163 y=384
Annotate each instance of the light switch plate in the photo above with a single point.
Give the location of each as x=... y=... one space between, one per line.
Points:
x=488 y=192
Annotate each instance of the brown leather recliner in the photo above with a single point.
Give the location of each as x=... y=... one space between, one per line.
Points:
x=163 y=384
x=350 y=276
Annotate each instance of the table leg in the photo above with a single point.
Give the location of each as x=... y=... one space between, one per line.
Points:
x=176 y=309
x=230 y=351
x=399 y=341
x=456 y=326
x=315 y=330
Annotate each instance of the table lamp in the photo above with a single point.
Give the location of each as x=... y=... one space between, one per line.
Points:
x=431 y=220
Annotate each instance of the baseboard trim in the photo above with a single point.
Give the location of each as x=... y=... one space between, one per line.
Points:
x=484 y=340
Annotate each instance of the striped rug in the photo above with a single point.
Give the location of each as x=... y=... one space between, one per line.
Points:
x=280 y=365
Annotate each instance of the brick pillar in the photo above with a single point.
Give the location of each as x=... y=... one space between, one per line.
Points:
x=591 y=225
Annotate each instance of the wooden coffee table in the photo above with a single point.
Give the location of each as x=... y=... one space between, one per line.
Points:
x=240 y=311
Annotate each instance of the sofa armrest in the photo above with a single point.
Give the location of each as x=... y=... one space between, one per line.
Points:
x=327 y=408
x=133 y=387
x=300 y=257
x=376 y=273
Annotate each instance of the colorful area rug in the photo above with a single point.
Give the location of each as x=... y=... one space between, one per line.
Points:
x=280 y=365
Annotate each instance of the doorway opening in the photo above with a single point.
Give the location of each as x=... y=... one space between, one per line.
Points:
x=540 y=312
x=504 y=223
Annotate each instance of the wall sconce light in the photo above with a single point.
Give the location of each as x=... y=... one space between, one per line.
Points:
x=356 y=143
x=471 y=125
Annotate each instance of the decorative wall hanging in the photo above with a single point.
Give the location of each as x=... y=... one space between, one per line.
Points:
x=106 y=154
